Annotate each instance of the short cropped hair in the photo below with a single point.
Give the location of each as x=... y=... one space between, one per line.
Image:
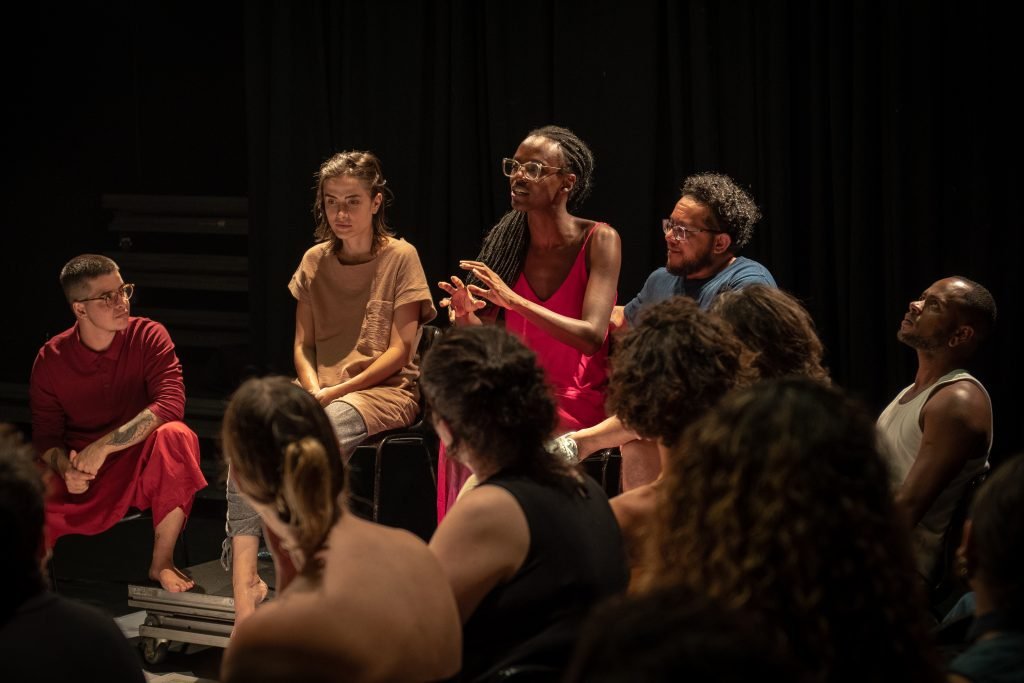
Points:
x=81 y=268
x=977 y=307
x=733 y=210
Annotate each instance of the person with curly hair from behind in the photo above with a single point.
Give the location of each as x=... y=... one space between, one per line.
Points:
x=667 y=372
x=712 y=221
x=777 y=329
x=775 y=502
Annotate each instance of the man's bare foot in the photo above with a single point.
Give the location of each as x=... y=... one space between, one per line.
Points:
x=172 y=579
x=248 y=597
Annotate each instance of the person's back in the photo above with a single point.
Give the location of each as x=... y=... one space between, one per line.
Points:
x=575 y=560
x=383 y=611
x=51 y=638
x=44 y=637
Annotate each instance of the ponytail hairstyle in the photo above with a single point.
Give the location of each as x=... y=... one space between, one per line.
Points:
x=283 y=453
x=504 y=248
x=365 y=167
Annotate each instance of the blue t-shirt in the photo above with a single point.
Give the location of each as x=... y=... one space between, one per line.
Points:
x=999 y=659
x=662 y=285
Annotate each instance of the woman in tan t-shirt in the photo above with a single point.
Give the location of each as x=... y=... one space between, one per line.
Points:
x=362 y=298
x=356 y=601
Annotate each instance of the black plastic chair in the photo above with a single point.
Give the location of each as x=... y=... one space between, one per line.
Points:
x=420 y=434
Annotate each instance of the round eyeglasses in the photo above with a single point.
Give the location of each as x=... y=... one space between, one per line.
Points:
x=532 y=170
x=113 y=298
x=681 y=232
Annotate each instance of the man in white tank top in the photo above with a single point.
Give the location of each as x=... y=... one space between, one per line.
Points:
x=938 y=431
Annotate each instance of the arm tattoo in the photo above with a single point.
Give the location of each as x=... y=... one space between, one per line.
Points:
x=55 y=459
x=126 y=435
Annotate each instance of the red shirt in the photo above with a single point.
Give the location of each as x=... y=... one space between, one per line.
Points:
x=78 y=395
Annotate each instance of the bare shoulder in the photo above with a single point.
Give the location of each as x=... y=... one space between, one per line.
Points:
x=285 y=635
x=960 y=401
x=635 y=507
x=485 y=507
x=486 y=517
x=604 y=236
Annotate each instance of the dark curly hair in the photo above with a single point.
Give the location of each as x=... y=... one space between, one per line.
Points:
x=776 y=328
x=676 y=634
x=732 y=209
x=777 y=501
x=366 y=167
x=997 y=532
x=505 y=246
x=283 y=452
x=674 y=365
x=486 y=385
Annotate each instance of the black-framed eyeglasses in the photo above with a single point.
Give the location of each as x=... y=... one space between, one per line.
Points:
x=681 y=232
x=532 y=170
x=111 y=299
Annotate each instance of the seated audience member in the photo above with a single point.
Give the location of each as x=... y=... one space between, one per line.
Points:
x=777 y=328
x=356 y=601
x=939 y=429
x=667 y=371
x=552 y=275
x=775 y=503
x=107 y=401
x=711 y=223
x=361 y=299
x=673 y=634
x=531 y=549
x=44 y=637
x=992 y=556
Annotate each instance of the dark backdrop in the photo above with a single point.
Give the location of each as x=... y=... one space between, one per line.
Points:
x=878 y=138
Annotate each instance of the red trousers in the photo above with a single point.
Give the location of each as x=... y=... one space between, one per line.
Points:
x=161 y=473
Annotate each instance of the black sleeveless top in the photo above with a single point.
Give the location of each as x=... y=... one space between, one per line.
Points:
x=575 y=560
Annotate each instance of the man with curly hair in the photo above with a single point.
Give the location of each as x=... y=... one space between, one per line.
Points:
x=939 y=429
x=712 y=221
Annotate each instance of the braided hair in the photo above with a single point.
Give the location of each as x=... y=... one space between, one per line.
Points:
x=505 y=246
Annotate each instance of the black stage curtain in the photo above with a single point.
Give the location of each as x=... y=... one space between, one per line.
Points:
x=874 y=135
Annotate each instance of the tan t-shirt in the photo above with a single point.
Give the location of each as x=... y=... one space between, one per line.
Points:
x=353 y=307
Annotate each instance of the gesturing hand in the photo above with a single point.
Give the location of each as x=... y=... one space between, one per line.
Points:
x=460 y=300
x=499 y=294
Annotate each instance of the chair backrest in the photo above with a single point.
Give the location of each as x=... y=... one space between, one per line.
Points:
x=428 y=334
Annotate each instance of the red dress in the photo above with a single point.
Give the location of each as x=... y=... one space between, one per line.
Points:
x=578 y=381
x=78 y=395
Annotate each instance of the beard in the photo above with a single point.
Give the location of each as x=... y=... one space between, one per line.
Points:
x=921 y=342
x=693 y=265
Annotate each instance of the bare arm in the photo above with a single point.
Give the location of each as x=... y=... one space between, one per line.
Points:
x=607 y=434
x=955 y=426
x=404 y=323
x=304 y=349
x=481 y=543
x=92 y=457
x=585 y=334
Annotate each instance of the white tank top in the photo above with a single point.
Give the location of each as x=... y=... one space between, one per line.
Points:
x=900 y=428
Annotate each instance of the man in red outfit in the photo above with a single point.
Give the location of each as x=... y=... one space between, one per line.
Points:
x=107 y=401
